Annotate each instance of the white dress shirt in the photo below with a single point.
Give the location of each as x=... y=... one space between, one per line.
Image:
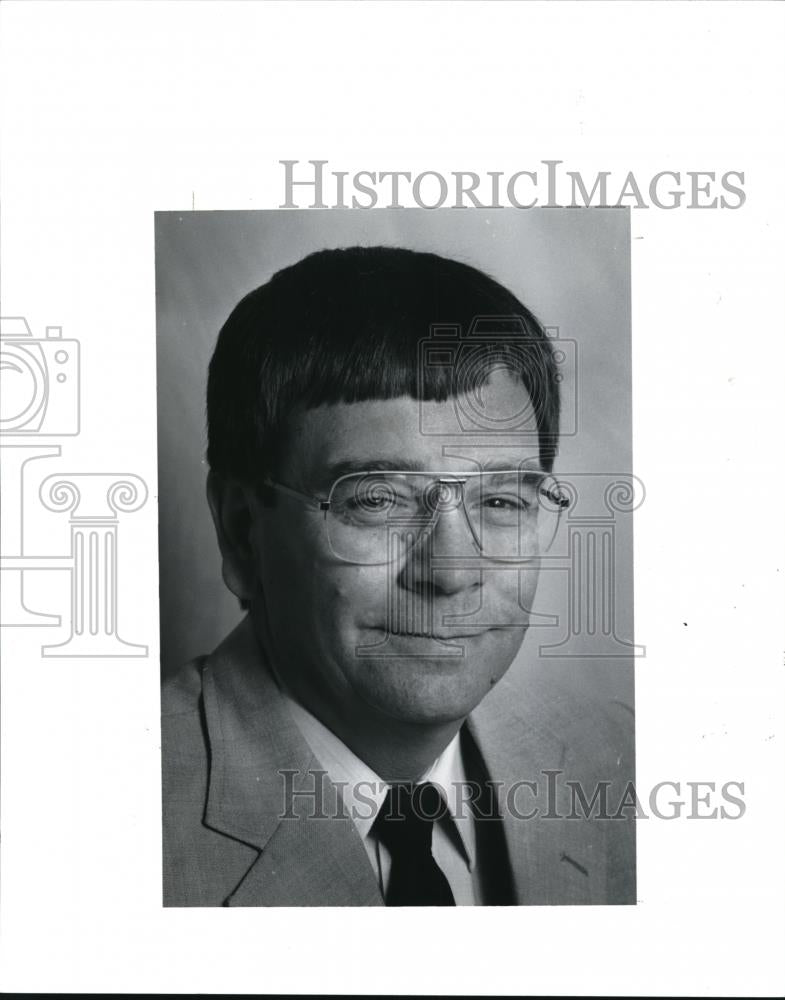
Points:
x=363 y=792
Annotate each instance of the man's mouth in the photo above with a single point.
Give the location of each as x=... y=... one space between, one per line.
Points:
x=444 y=635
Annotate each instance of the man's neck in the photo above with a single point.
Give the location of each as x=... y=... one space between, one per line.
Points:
x=395 y=750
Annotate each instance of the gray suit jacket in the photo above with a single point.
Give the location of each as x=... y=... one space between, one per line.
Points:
x=234 y=835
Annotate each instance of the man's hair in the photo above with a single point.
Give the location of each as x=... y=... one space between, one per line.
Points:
x=343 y=326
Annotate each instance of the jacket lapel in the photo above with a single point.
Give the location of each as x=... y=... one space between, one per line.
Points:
x=267 y=789
x=522 y=732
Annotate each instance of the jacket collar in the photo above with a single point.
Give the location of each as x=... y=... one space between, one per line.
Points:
x=264 y=780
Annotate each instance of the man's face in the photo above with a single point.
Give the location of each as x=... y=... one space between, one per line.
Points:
x=328 y=622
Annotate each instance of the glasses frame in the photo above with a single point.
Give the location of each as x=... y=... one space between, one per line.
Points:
x=441 y=478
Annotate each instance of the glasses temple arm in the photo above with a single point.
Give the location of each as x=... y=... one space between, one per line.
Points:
x=316 y=503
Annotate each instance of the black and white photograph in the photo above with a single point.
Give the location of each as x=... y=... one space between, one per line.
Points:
x=386 y=429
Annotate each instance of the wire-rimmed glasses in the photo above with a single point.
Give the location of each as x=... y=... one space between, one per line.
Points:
x=374 y=517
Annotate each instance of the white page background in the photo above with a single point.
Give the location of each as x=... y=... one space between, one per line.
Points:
x=114 y=111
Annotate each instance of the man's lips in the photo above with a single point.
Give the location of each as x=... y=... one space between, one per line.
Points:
x=444 y=635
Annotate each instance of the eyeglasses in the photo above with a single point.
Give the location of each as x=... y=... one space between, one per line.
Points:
x=375 y=518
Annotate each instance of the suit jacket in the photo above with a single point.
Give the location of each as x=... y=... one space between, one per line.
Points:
x=234 y=835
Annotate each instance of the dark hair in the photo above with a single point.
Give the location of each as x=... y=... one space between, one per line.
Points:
x=345 y=326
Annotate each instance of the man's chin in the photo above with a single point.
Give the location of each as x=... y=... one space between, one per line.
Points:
x=425 y=684
x=422 y=710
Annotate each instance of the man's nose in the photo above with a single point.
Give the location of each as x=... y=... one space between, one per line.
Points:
x=444 y=559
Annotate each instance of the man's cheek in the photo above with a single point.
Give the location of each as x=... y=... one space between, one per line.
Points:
x=360 y=588
x=506 y=596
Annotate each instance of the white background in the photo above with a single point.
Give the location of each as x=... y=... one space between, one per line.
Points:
x=113 y=111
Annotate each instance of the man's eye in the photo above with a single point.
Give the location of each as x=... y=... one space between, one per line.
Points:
x=374 y=502
x=506 y=503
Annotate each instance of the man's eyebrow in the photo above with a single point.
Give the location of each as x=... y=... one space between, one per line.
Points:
x=347 y=466
x=523 y=465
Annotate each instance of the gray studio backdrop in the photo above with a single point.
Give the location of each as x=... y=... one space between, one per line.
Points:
x=570 y=266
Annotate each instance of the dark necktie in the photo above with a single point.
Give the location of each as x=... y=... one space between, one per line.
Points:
x=405 y=827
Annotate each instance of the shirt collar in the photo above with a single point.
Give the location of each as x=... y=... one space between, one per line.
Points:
x=448 y=773
x=363 y=791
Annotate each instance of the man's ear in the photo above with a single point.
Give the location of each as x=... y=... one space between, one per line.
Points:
x=230 y=506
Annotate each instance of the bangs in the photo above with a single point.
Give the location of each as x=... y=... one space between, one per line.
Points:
x=440 y=364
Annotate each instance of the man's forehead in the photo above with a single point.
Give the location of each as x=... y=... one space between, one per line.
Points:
x=493 y=430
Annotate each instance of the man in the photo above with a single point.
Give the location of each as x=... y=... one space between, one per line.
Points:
x=382 y=430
